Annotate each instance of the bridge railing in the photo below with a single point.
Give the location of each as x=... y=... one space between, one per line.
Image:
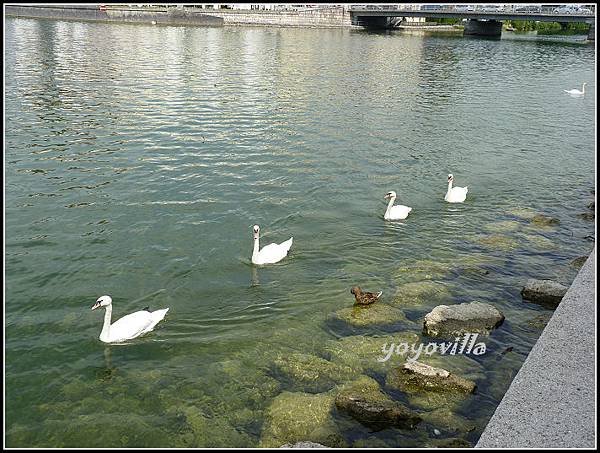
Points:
x=525 y=10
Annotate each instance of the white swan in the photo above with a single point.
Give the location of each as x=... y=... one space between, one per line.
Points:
x=271 y=253
x=398 y=212
x=455 y=194
x=576 y=92
x=129 y=326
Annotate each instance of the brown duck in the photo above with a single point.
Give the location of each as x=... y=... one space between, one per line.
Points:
x=363 y=297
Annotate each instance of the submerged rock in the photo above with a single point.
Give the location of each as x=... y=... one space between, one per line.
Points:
x=304 y=444
x=422 y=270
x=587 y=216
x=542 y=220
x=364 y=401
x=547 y=292
x=579 y=261
x=523 y=212
x=473 y=317
x=496 y=241
x=360 y=353
x=539 y=321
x=300 y=417
x=309 y=373
x=420 y=293
x=448 y=421
x=539 y=242
x=454 y=442
x=503 y=226
x=360 y=316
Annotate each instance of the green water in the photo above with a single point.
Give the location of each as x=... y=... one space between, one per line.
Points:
x=137 y=159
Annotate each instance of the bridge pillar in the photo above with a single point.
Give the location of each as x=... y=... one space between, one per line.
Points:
x=483 y=27
x=592 y=32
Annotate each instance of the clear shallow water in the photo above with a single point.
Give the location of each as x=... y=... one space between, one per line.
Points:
x=138 y=158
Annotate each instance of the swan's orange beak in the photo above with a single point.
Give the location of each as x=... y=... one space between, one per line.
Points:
x=96 y=305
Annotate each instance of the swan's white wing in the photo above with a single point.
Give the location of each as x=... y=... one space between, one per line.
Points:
x=273 y=253
x=157 y=316
x=130 y=326
x=399 y=212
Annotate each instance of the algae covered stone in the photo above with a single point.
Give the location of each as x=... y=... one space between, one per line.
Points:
x=495 y=241
x=503 y=226
x=298 y=417
x=447 y=420
x=420 y=293
x=364 y=401
x=415 y=377
x=459 y=319
x=309 y=373
x=541 y=220
x=359 y=316
x=429 y=387
x=426 y=269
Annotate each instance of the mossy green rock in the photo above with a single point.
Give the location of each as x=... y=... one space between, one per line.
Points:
x=503 y=226
x=309 y=373
x=374 y=314
x=579 y=262
x=424 y=292
x=361 y=353
x=446 y=420
x=418 y=377
x=364 y=401
x=422 y=270
x=429 y=387
x=539 y=242
x=541 y=220
x=454 y=442
x=495 y=241
x=296 y=417
x=523 y=212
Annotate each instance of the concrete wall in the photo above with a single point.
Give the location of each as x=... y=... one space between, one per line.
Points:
x=314 y=17
x=171 y=16
x=551 y=402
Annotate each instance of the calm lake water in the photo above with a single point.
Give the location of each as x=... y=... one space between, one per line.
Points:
x=138 y=158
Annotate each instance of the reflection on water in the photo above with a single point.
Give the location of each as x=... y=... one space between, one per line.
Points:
x=138 y=158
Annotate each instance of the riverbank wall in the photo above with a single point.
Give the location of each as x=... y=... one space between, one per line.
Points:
x=551 y=401
x=321 y=17
x=162 y=16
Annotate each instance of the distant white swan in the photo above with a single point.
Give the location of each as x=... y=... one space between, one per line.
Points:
x=576 y=92
x=271 y=253
x=398 y=212
x=129 y=326
x=455 y=194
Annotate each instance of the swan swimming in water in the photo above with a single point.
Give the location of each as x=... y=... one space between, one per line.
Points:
x=129 y=326
x=398 y=212
x=455 y=194
x=576 y=92
x=271 y=253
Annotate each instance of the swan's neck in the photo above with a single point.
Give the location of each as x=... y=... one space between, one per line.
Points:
x=583 y=89
x=390 y=204
x=255 y=251
x=449 y=187
x=106 y=327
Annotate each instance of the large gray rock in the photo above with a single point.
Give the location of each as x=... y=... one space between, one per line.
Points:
x=473 y=317
x=364 y=401
x=546 y=292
